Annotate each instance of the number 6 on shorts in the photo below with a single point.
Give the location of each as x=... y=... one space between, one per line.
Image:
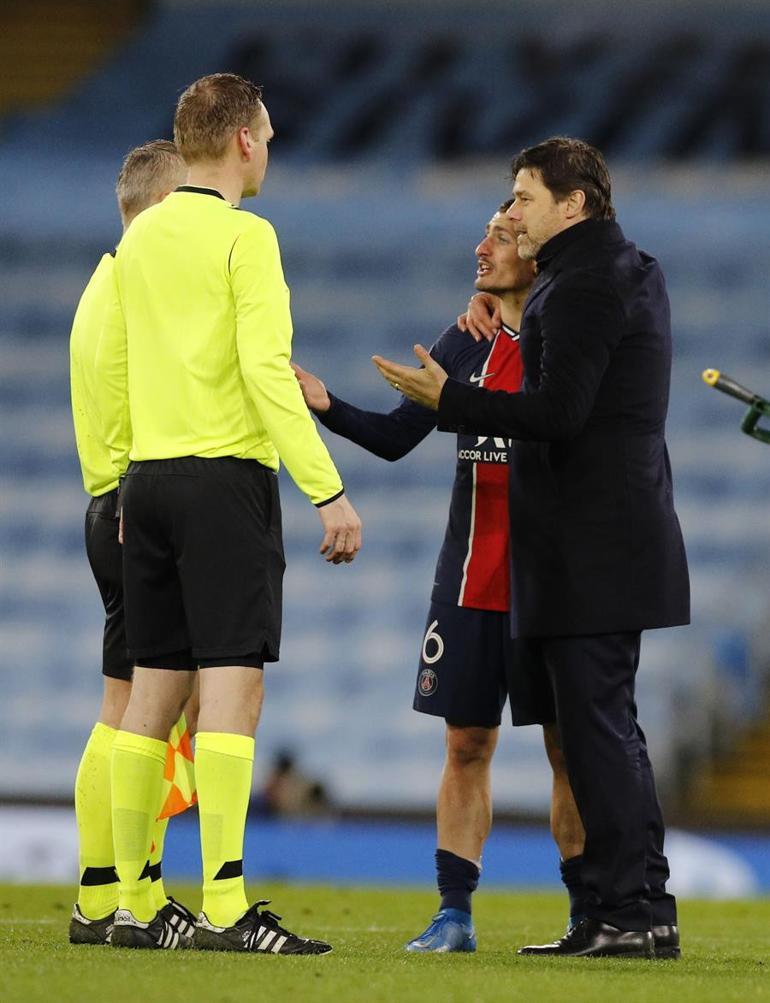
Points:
x=431 y=635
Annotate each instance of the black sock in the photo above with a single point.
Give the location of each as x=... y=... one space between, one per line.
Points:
x=571 y=875
x=457 y=878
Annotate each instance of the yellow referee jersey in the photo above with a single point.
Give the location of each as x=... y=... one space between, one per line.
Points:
x=100 y=467
x=199 y=339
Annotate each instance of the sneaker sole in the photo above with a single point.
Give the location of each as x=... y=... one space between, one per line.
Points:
x=668 y=953
x=206 y=940
x=303 y=954
x=646 y=955
x=439 y=950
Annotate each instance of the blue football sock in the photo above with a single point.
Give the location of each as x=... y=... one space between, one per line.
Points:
x=457 y=879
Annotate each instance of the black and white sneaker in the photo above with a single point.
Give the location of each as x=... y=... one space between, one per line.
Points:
x=180 y=918
x=257 y=932
x=159 y=932
x=90 y=931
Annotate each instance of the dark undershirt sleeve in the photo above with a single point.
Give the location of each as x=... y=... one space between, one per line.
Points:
x=388 y=435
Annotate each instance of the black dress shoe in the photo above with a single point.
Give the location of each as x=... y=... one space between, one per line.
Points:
x=594 y=939
x=666 y=941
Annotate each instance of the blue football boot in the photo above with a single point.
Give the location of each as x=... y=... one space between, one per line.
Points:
x=450 y=930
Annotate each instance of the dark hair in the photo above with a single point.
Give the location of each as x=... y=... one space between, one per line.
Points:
x=505 y=206
x=210 y=111
x=567 y=165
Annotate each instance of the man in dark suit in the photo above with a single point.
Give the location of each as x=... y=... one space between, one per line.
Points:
x=597 y=552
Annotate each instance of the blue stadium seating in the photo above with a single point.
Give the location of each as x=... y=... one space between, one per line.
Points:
x=379 y=254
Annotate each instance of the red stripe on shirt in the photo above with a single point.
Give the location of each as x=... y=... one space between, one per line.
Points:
x=486 y=581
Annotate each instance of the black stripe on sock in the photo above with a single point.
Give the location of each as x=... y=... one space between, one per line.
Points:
x=230 y=869
x=98 y=876
x=145 y=871
x=154 y=872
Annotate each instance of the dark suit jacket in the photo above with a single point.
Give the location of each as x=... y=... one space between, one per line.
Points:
x=595 y=542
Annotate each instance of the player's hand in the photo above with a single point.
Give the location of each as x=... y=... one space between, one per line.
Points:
x=423 y=385
x=313 y=390
x=120 y=527
x=483 y=319
x=342 y=531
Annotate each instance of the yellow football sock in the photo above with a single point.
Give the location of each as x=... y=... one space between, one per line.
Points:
x=223 y=767
x=137 y=776
x=98 y=891
x=156 y=855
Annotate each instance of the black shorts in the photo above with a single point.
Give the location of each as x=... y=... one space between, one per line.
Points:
x=202 y=562
x=106 y=559
x=470 y=665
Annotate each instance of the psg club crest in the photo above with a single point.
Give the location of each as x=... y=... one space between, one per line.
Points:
x=427 y=683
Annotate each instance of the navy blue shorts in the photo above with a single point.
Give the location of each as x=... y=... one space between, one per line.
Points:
x=470 y=665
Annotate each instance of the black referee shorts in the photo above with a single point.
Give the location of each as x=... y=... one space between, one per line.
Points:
x=105 y=555
x=202 y=562
x=470 y=665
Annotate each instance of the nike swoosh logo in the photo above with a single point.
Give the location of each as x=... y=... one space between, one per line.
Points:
x=478 y=379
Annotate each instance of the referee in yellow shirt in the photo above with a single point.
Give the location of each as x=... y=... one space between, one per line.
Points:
x=195 y=380
x=147 y=175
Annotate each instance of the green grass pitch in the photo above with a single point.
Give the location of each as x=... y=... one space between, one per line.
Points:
x=726 y=955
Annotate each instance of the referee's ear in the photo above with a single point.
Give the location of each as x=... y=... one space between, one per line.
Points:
x=245 y=142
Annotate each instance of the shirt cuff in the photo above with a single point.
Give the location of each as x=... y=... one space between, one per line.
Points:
x=324 y=416
x=330 y=500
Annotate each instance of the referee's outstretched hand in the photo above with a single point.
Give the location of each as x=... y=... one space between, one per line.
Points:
x=342 y=531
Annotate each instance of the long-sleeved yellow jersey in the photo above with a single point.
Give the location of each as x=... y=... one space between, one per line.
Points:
x=101 y=469
x=193 y=357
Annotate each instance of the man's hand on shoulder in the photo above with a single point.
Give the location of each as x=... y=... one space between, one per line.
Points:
x=342 y=531
x=483 y=318
x=313 y=390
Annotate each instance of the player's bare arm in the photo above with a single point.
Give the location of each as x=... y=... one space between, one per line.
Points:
x=313 y=390
x=342 y=531
x=422 y=385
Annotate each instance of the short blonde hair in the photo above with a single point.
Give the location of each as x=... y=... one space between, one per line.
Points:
x=147 y=172
x=210 y=111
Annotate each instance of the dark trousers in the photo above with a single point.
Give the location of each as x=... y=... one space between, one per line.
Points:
x=624 y=867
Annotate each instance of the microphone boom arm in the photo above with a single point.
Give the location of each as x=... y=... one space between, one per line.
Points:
x=759 y=407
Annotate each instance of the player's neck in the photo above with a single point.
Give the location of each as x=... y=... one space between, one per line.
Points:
x=512 y=307
x=219 y=177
